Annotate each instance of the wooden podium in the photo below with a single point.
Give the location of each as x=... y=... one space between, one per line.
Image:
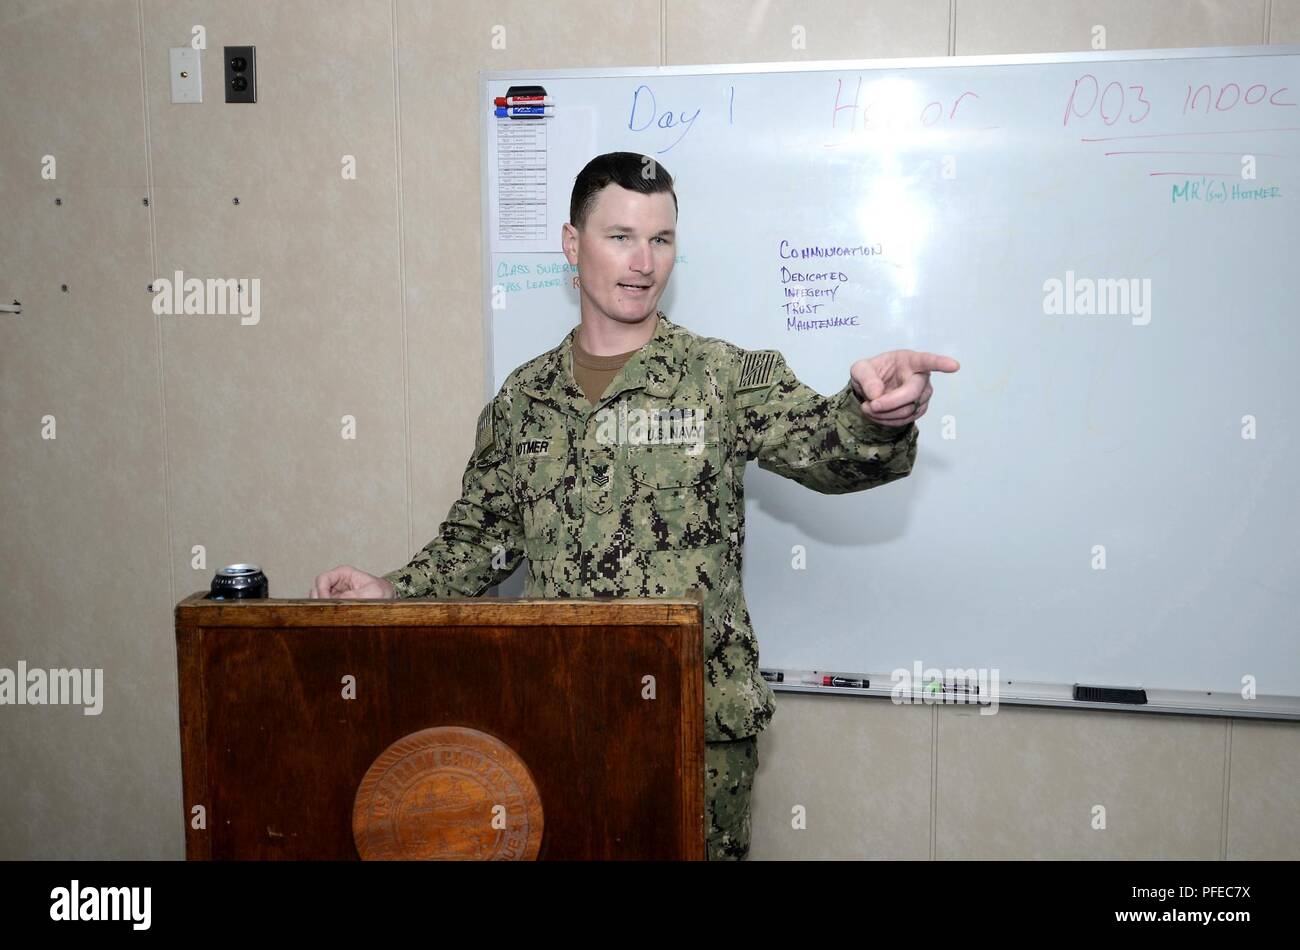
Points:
x=454 y=729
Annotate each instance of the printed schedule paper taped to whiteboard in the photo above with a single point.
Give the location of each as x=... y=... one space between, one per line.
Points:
x=526 y=204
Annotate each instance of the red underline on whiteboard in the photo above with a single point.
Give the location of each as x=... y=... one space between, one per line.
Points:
x=1193 y=174
x=1161 y=151
x=1166 y=135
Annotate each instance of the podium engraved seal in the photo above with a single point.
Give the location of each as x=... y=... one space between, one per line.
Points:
x=448 y=793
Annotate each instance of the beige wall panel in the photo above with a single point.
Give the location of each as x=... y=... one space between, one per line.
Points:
x=860 y=769
x=1264 y=792
x=94 y=129
x=1022 y=784
x=1284 y=22
x=83 y=546
x=1046 y=26
x=744 y=31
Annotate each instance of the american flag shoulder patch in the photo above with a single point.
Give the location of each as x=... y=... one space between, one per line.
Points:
x=483 y=435
x=758 y=369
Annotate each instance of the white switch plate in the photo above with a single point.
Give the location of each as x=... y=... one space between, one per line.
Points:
x=187 y=87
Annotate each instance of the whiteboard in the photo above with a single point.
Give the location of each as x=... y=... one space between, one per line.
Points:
x=1073 y=433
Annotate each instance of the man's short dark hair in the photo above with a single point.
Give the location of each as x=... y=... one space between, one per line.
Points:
x=628 y=170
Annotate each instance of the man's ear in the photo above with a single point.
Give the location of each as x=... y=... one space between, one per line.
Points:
x=569 y=242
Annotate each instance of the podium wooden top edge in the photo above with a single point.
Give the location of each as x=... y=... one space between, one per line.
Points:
x=197 y=610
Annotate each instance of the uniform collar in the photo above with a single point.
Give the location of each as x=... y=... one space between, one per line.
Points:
x=656 y=368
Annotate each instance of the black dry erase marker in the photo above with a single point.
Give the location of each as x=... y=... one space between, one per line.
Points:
x=845 y=681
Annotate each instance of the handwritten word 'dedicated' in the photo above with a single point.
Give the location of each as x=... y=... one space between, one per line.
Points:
x=646 y=115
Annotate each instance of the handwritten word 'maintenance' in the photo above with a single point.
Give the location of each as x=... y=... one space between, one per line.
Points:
x=789 y=251
x=794 y=323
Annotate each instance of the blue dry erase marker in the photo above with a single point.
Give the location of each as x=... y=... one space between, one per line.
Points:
x=524 y=112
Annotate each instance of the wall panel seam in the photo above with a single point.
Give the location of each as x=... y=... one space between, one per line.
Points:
x=157 y=323
x=401 y=281
x=934 y=782
x=1227 y=790
x=663 y=32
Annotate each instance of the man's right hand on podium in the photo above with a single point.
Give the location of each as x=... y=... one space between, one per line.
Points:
x=346 y=581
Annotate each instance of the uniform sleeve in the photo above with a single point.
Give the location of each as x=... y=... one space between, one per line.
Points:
x=824 y=443
x=481 y=541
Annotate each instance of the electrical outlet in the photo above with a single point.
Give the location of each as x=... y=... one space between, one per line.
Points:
x=187 y=81
x=241 y=73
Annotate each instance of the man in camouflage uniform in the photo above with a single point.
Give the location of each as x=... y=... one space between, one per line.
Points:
x=640 y=491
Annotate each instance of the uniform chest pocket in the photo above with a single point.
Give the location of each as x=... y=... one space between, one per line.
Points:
x=539 y=493
x=675 y=497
